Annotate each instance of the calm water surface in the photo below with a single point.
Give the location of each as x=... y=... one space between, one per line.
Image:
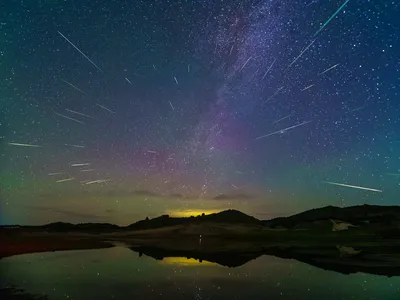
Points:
x=118 y=273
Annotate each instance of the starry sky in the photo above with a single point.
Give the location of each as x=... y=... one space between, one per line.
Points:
x=112 y=111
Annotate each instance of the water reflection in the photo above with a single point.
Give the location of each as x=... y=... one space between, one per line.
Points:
x=231 y=259
x=187 y=262
x=117 y=273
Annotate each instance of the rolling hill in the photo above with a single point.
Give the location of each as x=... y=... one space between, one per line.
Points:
x=377 y=219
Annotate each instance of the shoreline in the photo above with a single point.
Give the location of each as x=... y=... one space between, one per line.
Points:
x=374 y=256
x=25 y=244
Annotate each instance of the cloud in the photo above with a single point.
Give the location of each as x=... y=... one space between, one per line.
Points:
x=125 y=193
x=66 y=212
x=237 y=196
x=146 y=193
x=176 y=196
x=109 y=193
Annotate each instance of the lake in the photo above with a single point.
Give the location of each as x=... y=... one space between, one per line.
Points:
x=119 y=273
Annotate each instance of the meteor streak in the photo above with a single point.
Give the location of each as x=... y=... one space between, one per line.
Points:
x=274 y=94
x=80 y=51
x=171 y=105
x=80 y=164
x=245 y=64
x=69 y=118
x=301 y=53
x=307 y=87
x=281 y=119
x=75 y=146
x=74 y=87
x=66 y=179
x=356 y=109
x=330 y=19
x=84 y=181
x=151 y=151
x=282 y=130
x=87 y=170
x=328 y=69
x=24 y=145
x=353 y=186
x=98 y=181
x=268 y=69
x=105 y=108
x=78 y=113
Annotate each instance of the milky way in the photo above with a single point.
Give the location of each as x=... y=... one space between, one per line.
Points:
x=187 y=101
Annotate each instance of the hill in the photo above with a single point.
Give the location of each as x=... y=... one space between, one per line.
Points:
x=369 y=217
x=86 y=227
x=230 y=216
x=356 y=215
x=353 y=239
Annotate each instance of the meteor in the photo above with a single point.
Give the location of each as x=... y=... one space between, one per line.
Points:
x=330 y=19
x=66 y=179
x=281 y=119
x=98 y=181
x=56 y=173
x=69 y=118
x=274 y=94
x=307 y=87
x=245 y=64
x=24 y=145
x=80 y=165
x=78 y=113
x=87 y=170
x=75 y=146
x=356 y=109
x=105 y=108
x=353 y=186
x=282 y=130
x=302 y=52
x=328 y=69
x=265 y=74
x=74 y=87
x=72 y=44
x=171 y=105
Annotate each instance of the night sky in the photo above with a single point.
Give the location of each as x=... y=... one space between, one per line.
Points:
x=112 y=111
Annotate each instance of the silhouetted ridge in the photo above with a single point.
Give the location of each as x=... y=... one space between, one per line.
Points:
x=227 y=216
x=89 y=227
x=231 y=216
x=375 y=218
x=354 y=214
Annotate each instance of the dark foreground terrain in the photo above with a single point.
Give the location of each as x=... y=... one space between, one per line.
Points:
x=12 y=293
x=346 y=240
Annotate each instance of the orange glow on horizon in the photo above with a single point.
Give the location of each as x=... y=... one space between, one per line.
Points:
x=189 y=213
